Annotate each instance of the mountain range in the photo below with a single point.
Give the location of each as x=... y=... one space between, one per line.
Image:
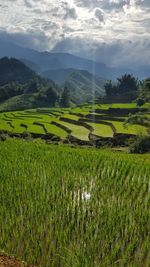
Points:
x=44 y=61
x=29 y=78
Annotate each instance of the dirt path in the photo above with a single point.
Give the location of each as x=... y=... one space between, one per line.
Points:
x=6 y=261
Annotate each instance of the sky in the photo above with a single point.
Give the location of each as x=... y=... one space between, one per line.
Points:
x=116 y=32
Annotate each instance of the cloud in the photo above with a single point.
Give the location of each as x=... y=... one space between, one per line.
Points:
x=116 y=53
x=28 y=3
x=99 y=14
x=70 y=12
x=113 y=29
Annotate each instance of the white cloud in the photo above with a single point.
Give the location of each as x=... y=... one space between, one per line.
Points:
x=42 y=24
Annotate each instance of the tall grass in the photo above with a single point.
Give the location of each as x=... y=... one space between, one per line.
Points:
x=63 y=207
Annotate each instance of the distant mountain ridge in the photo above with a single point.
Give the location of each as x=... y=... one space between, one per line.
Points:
x=44 y=61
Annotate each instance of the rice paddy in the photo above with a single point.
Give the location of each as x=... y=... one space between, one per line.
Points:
x=40 y=121
x=74 y=207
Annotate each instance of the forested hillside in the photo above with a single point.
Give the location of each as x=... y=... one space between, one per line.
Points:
x=20 y=87
x=82 y=84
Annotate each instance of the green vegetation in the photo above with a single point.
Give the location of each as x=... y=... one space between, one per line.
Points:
x=13 y=70
x=77 y=131
x=82 y=84
x=21 y=88
x=144 y=90
x=101 y=130
x=55 y=130
x=141 y=145
x=124 y=90
x=130 y=129
x=76 y=121
x=74 y=207
x=127 y=89
x=65 y=98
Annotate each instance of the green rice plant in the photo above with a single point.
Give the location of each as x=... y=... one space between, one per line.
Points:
x=47 y=115
x=74 y=207
x=131 y=129
x=101 y=129
x=53 y=129
x=77 y=131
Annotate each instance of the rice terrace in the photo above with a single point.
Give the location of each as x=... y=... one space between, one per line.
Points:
x=65 y=206
x=74 y=133
x=86 y=122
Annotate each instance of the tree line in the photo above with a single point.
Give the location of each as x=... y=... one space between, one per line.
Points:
x=130 y=86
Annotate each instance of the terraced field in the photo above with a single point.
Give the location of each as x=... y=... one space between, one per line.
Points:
x=101 y=129
x=100 y=120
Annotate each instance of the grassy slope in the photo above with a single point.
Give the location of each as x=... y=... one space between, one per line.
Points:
x=20 y=101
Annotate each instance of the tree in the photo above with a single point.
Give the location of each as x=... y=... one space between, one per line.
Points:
x=140 y=102
x=127 y=83
x=144 y=90
x=9 y=90
x=138 y=118
x=32 y=87
x=51 y=95
x=141 y=145
x=65 y=98
x=110 y=89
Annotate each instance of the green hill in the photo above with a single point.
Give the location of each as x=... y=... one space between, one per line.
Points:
x=21 y=88
x=13 y=70
x=82 y=84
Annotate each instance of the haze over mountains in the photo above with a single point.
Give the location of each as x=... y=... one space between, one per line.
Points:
x=45 y=61
x=31 y=78
x=82 y=84
x=22 y=88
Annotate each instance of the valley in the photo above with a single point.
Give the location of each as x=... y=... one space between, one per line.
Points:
x=74 y=142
